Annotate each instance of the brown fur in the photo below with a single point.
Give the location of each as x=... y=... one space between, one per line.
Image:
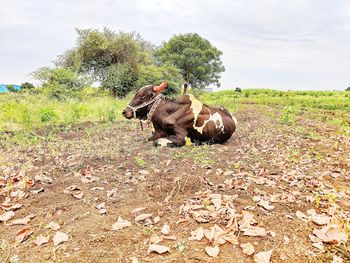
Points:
x=174 y=119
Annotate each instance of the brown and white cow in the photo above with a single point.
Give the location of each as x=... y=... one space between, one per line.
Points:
x=176 y=119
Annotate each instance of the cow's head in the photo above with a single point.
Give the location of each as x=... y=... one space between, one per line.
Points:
x=144 y=97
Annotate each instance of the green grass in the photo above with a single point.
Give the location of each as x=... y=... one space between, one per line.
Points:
x=23 y=114
x=326 y=100
x=27 y=112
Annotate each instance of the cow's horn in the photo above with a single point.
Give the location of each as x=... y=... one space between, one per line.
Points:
x=160 y=87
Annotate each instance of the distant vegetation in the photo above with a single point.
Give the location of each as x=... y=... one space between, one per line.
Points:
x=28 y=111
x=121 y=62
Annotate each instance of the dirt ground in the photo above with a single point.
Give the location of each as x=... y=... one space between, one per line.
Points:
x=269 y=170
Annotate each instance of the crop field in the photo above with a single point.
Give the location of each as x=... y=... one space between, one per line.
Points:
x=78 y=183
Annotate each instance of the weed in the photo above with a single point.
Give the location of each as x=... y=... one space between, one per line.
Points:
x=140 y=162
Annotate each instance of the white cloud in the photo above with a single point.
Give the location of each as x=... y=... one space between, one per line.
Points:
x=272 y=44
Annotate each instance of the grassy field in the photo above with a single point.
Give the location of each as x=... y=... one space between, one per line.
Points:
x=23 y=113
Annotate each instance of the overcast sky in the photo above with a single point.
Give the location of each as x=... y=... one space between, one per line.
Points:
x=278 y=44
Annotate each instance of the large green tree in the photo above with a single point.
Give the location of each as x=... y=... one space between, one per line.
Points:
x=112 y=58
x=198 y=59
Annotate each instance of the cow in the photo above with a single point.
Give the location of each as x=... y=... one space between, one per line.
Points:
x=175 y=119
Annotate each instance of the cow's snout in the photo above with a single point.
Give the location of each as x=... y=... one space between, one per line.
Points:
x=127 y=113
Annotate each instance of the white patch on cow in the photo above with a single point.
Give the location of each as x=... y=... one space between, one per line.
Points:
x=196 y=107
x=162 y=142
x=216 y=118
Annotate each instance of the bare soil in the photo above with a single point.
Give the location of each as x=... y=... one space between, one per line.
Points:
x=307 y=163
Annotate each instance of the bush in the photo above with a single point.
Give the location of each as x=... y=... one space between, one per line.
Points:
x=27 y=86
x=11 y=88
x=119 y=80
x=61 y=83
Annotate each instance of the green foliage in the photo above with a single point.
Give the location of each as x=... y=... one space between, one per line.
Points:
x=112 y=58
x=61 y=83
x=27 y=86
x=288 y=116
x=11 y=88
x=119 y=80
x=197 y=58
x=152 y=74
x=347 y=89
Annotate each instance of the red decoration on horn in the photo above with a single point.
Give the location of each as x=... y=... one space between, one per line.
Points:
x=160 y=87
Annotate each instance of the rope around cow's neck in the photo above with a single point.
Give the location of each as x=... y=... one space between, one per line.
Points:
x=156 y=101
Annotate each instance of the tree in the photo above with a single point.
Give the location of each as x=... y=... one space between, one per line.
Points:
x=197 y=58
x=153 y=74
x=99 y=54
x=61 y=82
x=11 y=88
x=348 y=89
x=27 y=86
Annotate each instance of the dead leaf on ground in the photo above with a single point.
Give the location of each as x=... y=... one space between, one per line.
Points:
x=7 y=216
x=212 y=251
x=23 y=235
x=22 y=221
x=254 y=231
x=331 y=234
x=40 y=240
x=120 y=224
x=248 y=249
x=59 y=238
x=198 y=234
x=320 y=220
x=165 y=229
x=158 y=249
x=53 y=225
x=301 y=216
x=78 y=194
x=263 y=257
x=266 y=205
x=142 y=217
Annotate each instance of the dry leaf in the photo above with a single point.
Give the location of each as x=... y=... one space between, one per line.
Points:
x=101 y=206
x=59 y=238
x=134 y=260
x=198 y=234
x=156 y=220
x=337 y=259
x=318 y=245
x=53 y=225
x=165 y=229
x=265 y=204
x=78 y=194
x=22 y=221
x=138 y=210
x=301 y=216
x=248 y=249
x=320 y=219
x=263 y=257
x=142 y=217
x=254 y=231
x=6 y=216
x=212 y=251
x=331 y=234
x=157 y=248
x=231 y=237
x=23 y=235
x=40 y=240
x=120 y=224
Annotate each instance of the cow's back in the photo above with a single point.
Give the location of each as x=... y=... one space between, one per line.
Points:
x=210 y=124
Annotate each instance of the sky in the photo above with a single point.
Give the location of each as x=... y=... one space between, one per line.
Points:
x=276 y=44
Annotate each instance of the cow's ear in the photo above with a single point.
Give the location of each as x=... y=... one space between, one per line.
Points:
x=160 y=87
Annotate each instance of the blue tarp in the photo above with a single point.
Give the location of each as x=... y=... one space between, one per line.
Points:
x=3 y=88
